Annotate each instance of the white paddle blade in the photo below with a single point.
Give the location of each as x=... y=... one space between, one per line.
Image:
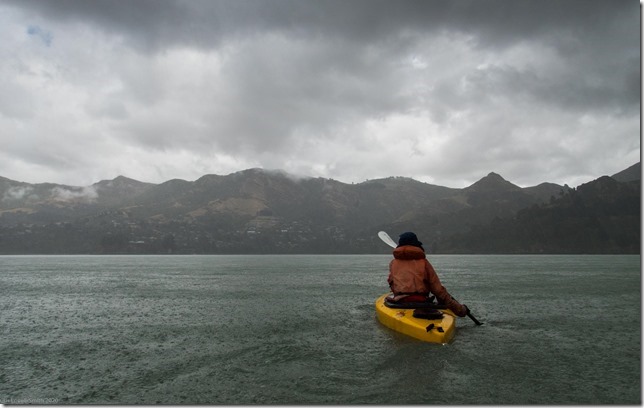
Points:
x=386 y=239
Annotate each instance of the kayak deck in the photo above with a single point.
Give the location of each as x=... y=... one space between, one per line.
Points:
x=402 y=320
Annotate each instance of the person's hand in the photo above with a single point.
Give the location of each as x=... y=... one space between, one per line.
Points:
x=464 y=311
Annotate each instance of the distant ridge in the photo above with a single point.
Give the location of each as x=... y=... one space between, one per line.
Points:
x=633 y=173
x=271 y=211
x=493 y=183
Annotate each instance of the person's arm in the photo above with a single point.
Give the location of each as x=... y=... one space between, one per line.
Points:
x=437 y=288
x=390 y=279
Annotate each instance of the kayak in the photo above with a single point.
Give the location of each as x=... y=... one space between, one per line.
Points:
x=431 y=323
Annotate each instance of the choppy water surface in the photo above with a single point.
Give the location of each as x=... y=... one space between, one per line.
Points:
x=302 y=330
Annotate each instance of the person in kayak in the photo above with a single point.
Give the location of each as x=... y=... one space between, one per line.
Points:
x=412 y=278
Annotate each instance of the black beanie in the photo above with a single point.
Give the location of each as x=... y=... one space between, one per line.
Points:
x=409 y=238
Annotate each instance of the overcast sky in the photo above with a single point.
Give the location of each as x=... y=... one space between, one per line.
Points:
x=443 y=91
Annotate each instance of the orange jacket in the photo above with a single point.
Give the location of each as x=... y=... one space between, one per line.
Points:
x=411 y=273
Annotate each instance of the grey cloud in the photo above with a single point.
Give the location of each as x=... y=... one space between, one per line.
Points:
x=588 y=35
x=291 y=75
x=15 y=101
x=15 y=193
x=276 y=91
x=570 y=91
x=205 y=22
x=83 y=194
x=110 y=107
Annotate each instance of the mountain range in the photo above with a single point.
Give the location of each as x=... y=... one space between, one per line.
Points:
x=266 y=211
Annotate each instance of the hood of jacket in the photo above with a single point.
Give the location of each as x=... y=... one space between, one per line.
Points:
x=409 y=252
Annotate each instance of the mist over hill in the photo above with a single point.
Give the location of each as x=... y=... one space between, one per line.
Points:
x=261 y=211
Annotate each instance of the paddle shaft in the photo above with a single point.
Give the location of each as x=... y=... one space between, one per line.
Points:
x=473 y=318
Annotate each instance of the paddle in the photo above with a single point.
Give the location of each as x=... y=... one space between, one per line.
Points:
x=387 y=240
x=473 y=318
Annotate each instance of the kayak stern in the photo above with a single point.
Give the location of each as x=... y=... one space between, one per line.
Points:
x=402 y=320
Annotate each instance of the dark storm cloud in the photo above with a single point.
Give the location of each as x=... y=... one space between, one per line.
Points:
x=595 y=37
x=270 y=82
x=493 y=22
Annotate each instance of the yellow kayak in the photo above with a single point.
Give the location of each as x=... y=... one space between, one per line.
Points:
x=437 y=325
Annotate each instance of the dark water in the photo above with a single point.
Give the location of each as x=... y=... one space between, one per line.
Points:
x=302 y=330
